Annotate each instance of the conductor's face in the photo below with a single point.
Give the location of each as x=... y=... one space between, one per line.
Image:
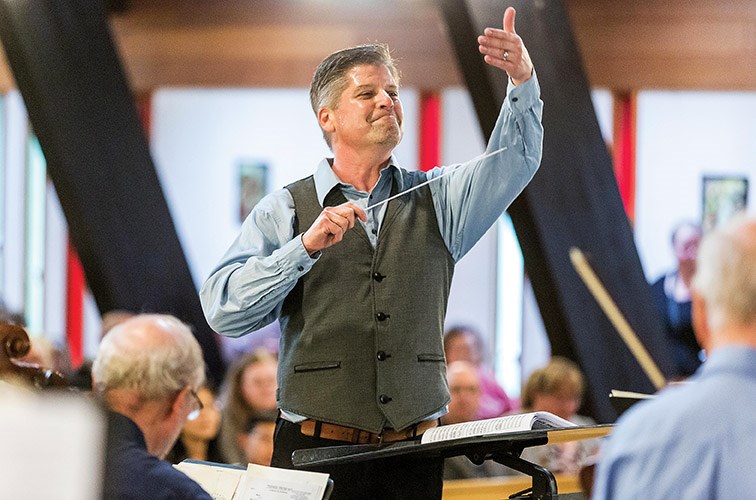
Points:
x=369 y=111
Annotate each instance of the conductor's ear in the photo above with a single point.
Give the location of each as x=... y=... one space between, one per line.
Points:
x=325 y=120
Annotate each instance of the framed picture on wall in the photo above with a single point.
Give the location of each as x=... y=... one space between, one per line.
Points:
x=253 y=185
x=723 y=197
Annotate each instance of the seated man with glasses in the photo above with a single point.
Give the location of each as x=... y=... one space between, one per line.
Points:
x=147 y=371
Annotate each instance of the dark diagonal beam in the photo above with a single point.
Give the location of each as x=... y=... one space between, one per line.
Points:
x=572 y=201
x=64 y=60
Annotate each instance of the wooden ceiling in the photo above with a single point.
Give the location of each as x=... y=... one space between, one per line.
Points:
x=671 y=44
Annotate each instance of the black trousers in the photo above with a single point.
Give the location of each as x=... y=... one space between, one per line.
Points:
x=385 y=479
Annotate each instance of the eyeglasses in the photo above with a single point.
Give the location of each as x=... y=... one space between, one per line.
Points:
x=195 y=413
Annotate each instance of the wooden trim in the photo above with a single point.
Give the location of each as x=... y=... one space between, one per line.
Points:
x=496 y=488
x=579 y=433
x=663 y=44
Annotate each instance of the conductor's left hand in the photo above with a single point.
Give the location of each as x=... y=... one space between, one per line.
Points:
x=504 y=49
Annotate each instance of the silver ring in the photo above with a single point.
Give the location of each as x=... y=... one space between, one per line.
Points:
x=506 y=55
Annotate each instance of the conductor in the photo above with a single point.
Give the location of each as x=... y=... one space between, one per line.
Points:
x=361 y=287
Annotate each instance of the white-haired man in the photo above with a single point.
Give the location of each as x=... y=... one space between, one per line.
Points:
x=464 y=382
x=695 y=441
x=147 y=372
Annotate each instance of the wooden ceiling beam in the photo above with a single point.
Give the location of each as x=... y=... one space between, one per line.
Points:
x=662 y=44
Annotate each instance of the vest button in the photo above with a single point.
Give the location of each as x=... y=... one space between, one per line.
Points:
x=382 y=356
x=378 y=277
x=384 y=399
x=381 y=316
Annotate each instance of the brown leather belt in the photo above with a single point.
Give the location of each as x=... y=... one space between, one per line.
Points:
x=336 y=432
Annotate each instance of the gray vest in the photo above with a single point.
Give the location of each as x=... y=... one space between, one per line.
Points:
x=362 y=330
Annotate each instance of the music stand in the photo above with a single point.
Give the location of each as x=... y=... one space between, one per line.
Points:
x=502 y=448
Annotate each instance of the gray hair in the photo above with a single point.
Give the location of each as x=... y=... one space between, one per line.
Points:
x=328 y=81
x=154 y=354
x=726 y=273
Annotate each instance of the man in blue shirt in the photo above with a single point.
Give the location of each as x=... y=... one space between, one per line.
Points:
x=360 y=279
x=696 y=439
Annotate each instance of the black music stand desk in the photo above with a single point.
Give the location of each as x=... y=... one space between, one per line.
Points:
x=504 y=448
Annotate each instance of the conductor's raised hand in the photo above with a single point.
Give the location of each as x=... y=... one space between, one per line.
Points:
x=331 y=225
x=504 y=49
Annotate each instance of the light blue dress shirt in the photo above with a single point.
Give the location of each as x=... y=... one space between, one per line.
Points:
x=694 y=441
x=247 y=288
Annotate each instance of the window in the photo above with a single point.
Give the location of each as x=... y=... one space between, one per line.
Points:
x=34 y=265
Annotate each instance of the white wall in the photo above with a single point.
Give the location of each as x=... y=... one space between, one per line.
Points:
x=472 y=298
x=55 y=279
x=14 y=189
x=603 y=106
x=198 y=138
x=682 y=136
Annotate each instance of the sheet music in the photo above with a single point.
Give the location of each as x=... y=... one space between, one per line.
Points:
x=219 y=482
x=499 y=425
x=256 y=482
x=271 y=483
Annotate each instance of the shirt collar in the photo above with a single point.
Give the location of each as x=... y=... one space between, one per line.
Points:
x=731 y=358
x=325 y=178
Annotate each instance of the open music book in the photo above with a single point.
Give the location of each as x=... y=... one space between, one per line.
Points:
x=499 y=425
x=256 y=482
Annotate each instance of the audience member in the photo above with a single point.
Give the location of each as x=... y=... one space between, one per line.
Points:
x=671 y=294
x=250 y=389
x=464 y=343
x=199 y=437
x=695 y=440
x=464 y=386
x=558 y=388
x=257 y=443
x=147 y=371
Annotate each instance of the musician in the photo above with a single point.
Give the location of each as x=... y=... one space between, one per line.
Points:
x=361 y=288
x=695 y=440
x=147 y=371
